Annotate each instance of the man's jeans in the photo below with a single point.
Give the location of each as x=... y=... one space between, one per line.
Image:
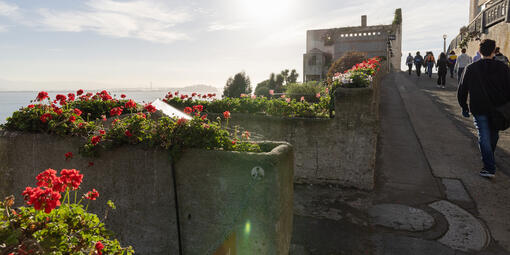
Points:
x=487 y=140
x=430 y=65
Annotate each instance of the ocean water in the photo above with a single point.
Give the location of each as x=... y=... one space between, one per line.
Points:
x=13 y=101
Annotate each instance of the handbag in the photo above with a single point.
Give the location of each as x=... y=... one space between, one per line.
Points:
x=499 y=117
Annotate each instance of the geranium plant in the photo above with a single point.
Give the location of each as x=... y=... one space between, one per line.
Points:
x=55 y=221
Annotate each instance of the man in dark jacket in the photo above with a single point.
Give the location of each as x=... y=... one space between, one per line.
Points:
x=418 y=61
x=487 y=82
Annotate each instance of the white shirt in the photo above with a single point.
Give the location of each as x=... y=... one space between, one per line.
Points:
x=462 y=61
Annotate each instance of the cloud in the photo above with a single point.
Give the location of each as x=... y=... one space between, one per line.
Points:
x=8 y=10
x=222 y=27
x=3 y=28
x=145 y=20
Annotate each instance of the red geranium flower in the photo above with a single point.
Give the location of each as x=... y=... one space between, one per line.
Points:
x=122 y=96
x=95 y=140
x=128 y=134
x=226 y=114
x=77 y=111
x=99 y=248
x=71 y=178
x=198 y=108
x=69 y=155
x=115 y=111
x=150 y=108
x=72 y=118
x=181 y=121
x=47 y=178
x=130 y=104
x=92 y=195
x=61 y=97
x=45 y=117
x=31 y=106
x=57 y=110
x=102 y=132
x=141 y=114
x=188 y=110
x=204 y=117
x=79 y=92
x=46 y=199
x=42 y=95
x=71 y=96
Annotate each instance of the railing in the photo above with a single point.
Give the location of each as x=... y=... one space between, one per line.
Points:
x=496 y=13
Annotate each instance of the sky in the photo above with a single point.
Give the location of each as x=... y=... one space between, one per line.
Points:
x=174 y=43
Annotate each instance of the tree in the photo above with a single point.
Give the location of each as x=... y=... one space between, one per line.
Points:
x=262 y=89
x=239 y=84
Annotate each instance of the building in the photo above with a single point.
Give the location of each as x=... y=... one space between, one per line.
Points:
x=324 y=46
x=488 y=19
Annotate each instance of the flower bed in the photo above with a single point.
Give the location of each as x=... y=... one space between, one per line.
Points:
x=359 y=76
x=86 y=115
x=283 y=106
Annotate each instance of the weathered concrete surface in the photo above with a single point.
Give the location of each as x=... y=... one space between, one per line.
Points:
x=218 y=192
x=455 y=191
x=138 y=181
x=401 y=217
x=341 y=150
x=452 y=153
x=466 y=233
x=219 y=196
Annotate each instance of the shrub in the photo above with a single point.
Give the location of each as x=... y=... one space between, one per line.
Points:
x=307 y=91
x=53 y=226
x=345 y=63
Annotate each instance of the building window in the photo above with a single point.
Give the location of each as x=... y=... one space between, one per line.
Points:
x=312 y=61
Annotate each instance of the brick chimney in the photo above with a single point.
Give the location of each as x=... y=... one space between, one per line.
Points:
x=364 y=20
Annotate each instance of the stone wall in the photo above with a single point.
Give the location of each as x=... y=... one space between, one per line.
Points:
x=341 y=150
x=499 y=32
x=219 y=196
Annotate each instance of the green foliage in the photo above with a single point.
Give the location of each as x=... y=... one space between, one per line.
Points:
x=307 y=90
x=69 y=229
x=95 y=109
x=239 y=84
x=345 y=63
x=29 y=119
x=397 y=20
x=276 y=82
x=167 y=133
x=273 y=107
x=262 y=89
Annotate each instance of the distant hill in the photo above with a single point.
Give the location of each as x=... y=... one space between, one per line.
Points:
x=7 y=85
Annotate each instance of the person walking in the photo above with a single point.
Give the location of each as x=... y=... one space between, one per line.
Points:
x=409 y=62
x=430 y=62
x=487 y=82
x=418 y=61
x=442 y=65
x=452 y=59
x=500 y=57
x=477 y=57
x=462 y=61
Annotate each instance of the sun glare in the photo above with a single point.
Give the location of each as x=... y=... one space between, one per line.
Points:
x=265 y=10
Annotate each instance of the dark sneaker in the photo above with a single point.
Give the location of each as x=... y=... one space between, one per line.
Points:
x=485 y=173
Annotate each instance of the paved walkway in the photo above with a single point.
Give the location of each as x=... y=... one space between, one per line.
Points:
x=428 y=199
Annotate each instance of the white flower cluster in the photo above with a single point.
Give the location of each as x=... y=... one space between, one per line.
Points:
x=343 y=78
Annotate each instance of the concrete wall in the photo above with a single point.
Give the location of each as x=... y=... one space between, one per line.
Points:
x=499 y=32
x=217 y=194
x=339 y=150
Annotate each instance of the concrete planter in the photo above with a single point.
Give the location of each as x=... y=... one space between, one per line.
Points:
x=340 y=150
x=218 y=196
